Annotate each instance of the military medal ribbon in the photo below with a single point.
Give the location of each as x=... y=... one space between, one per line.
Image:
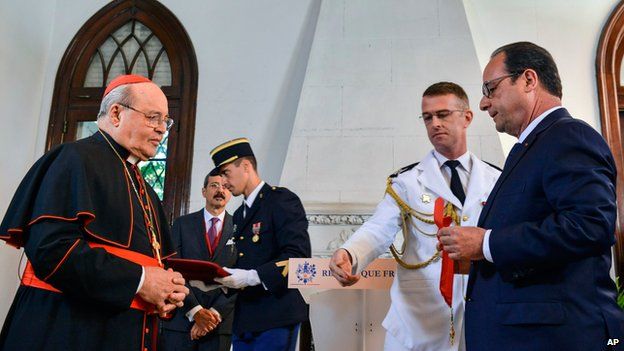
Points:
x=447 y=272
x=255 y=228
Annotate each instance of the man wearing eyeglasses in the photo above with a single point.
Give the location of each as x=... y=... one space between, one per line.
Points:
x=419 y=317
x=205 y=321
x=95 y=234
x=542 y=250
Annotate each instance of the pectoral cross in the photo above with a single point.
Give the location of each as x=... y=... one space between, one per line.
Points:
x=156 y=246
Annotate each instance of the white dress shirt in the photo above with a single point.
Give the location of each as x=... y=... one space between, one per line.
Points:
x=249 y=200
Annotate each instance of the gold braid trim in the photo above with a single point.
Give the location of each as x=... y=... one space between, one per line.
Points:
x=405 y=208
x=283 y=264
x=418 y=265
x=406 y=214
x=450 y=211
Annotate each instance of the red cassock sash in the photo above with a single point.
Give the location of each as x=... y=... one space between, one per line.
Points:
x=30 y=279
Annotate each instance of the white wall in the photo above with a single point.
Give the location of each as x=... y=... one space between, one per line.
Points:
x=252 y=58
x=568 y=29
x=25 y=37
x=357 y=120
x=67 y=17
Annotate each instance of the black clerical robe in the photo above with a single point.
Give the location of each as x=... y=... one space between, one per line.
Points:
x=76 y=195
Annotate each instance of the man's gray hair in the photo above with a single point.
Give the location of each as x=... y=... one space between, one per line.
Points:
x=120 y=95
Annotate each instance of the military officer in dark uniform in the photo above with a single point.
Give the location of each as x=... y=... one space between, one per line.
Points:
x=269 y=228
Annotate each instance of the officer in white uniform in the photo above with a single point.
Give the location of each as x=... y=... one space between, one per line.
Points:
x=419 y=319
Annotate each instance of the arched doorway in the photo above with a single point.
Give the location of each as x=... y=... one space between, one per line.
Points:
x=140 y=37
x=610 y=80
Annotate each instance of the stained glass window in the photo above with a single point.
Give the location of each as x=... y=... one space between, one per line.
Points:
x=133 y=48
x=153 y=170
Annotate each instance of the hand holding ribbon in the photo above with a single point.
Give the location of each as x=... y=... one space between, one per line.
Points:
x=447 y=272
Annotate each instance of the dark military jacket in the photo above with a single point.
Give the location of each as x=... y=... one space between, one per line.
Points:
x=273 y=230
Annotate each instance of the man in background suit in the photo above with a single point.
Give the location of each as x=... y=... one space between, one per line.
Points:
x=270 y=228
x=542 y=249
x=205 y=321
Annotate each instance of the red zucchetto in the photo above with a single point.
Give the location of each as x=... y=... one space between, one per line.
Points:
x=123 y=80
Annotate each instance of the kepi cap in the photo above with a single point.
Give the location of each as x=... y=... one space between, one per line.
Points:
x=231 y=151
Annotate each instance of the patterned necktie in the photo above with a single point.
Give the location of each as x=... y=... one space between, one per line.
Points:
x=456 y=185
x=211 y=235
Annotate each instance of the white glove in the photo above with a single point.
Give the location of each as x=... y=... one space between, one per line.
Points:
x=239 y=278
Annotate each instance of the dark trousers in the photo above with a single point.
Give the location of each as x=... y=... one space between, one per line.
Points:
x=276 y=339
x=171 y=340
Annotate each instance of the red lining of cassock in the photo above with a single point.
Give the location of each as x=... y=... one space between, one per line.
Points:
x=63 y=259
x=17 y=242
x=30 y=279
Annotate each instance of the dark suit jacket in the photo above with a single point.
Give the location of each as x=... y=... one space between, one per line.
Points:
x=189 y=238
x=282 y=228
x=552 y=215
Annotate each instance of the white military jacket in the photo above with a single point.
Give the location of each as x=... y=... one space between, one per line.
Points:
x=418 y=316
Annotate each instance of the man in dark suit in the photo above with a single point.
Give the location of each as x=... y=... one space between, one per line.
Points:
x=542 y=249
x=205 y=320
x=270 y=227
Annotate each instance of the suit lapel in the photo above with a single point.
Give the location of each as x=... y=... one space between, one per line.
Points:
x=431 y=177
x=526 y=145
x=226 y=234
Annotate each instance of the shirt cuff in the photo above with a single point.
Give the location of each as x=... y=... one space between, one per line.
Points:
x=191 y=314
x=354 y=262
x=215 y=311
x=486 y=246
x=141 y=281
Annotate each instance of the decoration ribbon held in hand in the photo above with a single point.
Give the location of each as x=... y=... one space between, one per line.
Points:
x=447 y=271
